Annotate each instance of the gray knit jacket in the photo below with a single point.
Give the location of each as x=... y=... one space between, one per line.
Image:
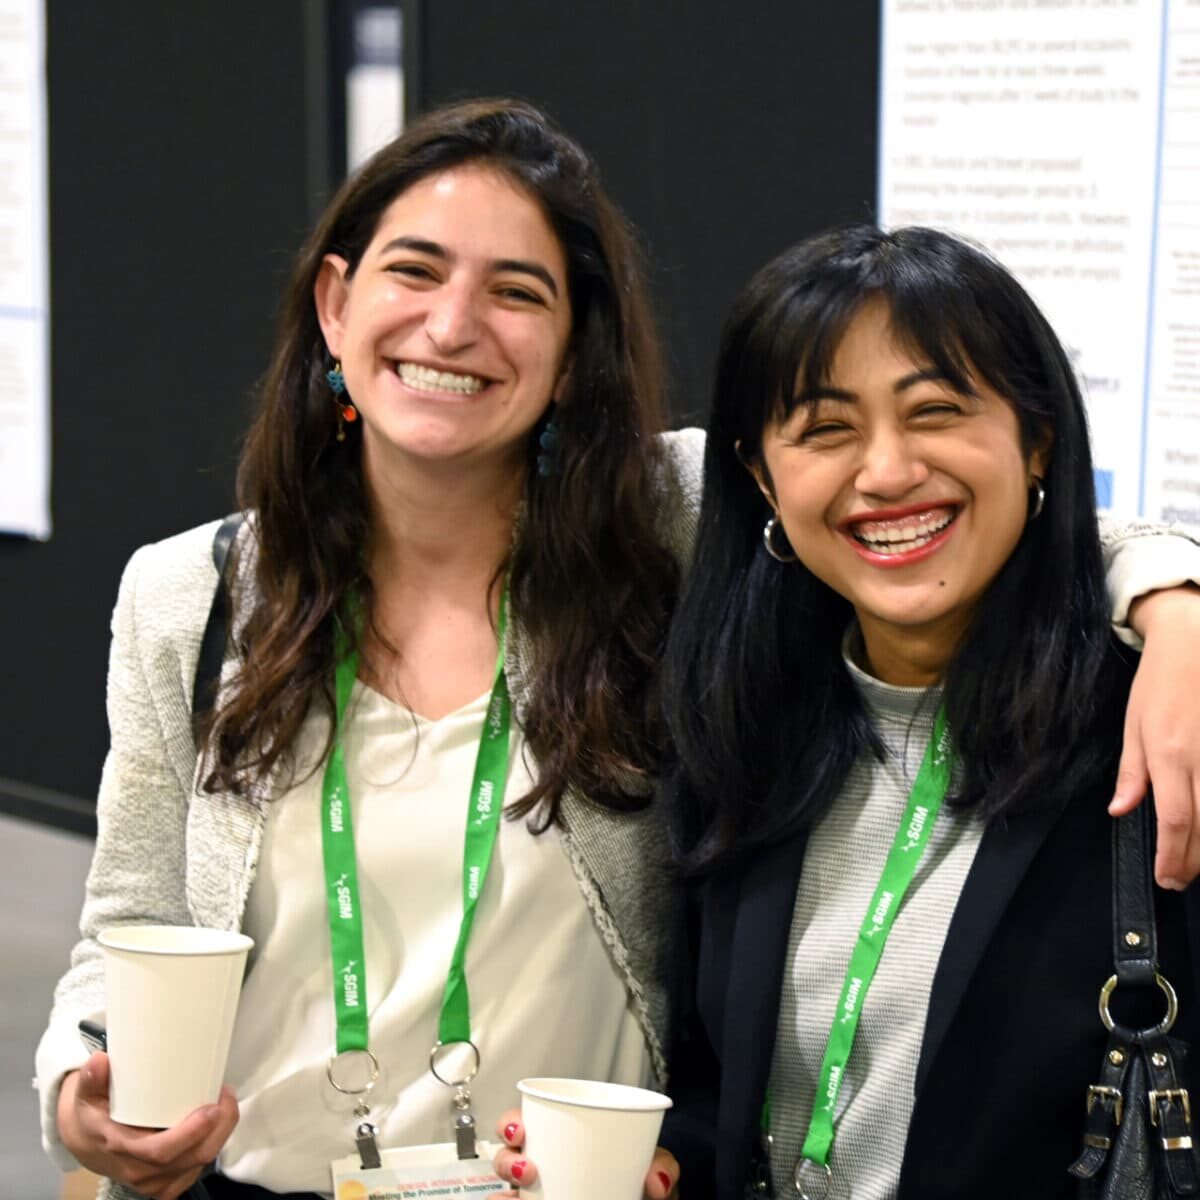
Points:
x=168 y=853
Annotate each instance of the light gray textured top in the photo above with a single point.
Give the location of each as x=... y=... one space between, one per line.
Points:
x=842 y=864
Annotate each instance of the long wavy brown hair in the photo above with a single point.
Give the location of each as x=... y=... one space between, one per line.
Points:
x=591 y=584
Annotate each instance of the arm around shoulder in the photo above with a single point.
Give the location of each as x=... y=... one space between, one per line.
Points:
x=1153 y=575
x=1140 y=558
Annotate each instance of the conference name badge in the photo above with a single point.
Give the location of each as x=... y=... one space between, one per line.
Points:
x=417 y=1172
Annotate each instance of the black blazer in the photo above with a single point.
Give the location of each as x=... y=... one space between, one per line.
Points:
x=1012 y=1038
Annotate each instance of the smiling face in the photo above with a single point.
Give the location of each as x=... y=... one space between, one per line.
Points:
x=902 y=494
x=452 y=329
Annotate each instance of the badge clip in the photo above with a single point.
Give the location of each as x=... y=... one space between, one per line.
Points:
x=359 y=1071
x=463 y=1124
x=368 y=1147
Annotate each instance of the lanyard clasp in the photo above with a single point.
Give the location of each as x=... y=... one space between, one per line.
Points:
x=354 y=1073
x=463 y=1123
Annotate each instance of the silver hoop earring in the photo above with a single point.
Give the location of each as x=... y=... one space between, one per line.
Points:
x=769 y=541
x=1039 y=497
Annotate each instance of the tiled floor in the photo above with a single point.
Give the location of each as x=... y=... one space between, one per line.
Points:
x=41 y=889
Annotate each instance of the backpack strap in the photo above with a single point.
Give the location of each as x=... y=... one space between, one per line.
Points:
x=216 y=630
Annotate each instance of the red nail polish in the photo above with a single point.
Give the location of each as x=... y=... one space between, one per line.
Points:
x=665 y=1180
x=510 y=1131
x=518 y=1170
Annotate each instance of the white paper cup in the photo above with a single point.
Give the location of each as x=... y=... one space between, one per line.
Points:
x=589 y=1140
x=171 y=996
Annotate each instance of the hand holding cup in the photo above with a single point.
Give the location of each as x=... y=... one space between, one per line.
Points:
x=588 y=1140
x=152 y=1111
x=162 y=1163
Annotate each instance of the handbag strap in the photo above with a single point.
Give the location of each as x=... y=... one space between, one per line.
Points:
x=1135 y=960
x=1171 y=1112
x=1109 y=1101
x=216 y=630
x=1135 y=938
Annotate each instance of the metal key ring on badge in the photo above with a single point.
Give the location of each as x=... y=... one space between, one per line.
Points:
x=813 y=1180
x=373 y=1064
x=453 y=1082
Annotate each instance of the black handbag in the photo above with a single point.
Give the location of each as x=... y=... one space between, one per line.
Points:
x=1138 y=1135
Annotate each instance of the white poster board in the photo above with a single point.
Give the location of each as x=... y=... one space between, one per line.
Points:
x=374 y=82
x=1064 y=135
x=24 y=274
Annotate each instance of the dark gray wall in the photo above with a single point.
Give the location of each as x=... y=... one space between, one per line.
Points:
x=178 y=184
x=183 y=159
x=725 y=131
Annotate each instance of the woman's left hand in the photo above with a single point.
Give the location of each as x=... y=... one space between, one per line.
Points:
x=662 y=1179
x=1162 y=730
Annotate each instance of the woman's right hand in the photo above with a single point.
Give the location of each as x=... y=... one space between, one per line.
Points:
x=662 y=1179
x=162 y=1163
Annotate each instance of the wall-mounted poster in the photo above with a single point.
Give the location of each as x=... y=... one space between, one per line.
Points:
x=1064 y=135
x=24 y=286
x=374 y=80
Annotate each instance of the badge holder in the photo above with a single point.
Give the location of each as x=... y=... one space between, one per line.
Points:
x=365 y=1133
x=420 y=1173
x=463 y=1123
x=461 y=1169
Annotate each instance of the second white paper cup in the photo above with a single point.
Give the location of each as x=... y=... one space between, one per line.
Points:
x=171 y=996
x=589 y=1140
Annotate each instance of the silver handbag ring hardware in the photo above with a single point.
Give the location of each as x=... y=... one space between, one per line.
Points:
x=1163 y=985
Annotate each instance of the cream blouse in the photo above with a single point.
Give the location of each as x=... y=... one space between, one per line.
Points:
x=409 y=784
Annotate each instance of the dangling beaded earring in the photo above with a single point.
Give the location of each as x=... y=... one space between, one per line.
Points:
x=547 y=459
x=346 y=413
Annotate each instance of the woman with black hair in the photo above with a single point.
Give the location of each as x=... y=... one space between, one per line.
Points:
x=897 y=598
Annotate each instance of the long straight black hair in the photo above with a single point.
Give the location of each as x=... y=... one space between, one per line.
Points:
x=764 y=719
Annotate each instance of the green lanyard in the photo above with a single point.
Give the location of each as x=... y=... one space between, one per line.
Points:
x=912 y=836
x=341 y=870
